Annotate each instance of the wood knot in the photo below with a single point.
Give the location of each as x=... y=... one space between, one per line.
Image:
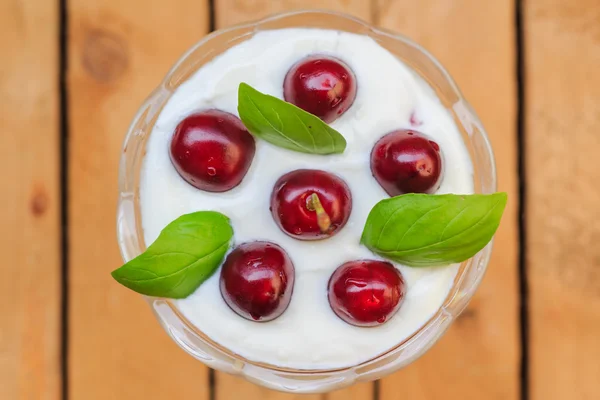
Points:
x=105 y=55
x=39 y=202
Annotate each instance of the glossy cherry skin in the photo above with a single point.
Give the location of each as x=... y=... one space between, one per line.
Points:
x=257 y=280
x=366 y=292
x=407 y=161
x=321 y=85
x=212 y=150
x=291 y=209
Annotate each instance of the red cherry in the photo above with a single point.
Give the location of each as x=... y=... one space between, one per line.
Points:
x=212 y=150
x=321 y=85
x=366 y=292
x=310 y=204
x=257 y=280
x=407 y=161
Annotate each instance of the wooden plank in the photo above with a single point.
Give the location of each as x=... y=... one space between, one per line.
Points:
x=118 y=52
x=360 y=391
x=229 y=12
x=479 y=356
x=30 y=286
x=562 y=98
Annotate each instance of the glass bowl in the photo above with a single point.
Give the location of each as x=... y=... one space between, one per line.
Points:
x=197 y=344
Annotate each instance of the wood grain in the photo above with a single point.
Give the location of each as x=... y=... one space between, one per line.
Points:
x=30 y=287
x=229 y=12
x=562 y=57
x=118 y=52
x=479 y=357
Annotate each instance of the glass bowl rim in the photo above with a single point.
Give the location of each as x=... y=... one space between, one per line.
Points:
x=484 y=253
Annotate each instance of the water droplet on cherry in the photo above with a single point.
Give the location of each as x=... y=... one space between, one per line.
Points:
x=320 y=85
x=257 y=280
x=212 y=150
x=366 y=292
x=295 y=213
x=407 y=161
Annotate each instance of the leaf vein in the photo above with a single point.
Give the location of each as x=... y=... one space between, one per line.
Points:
x=452 y=220
x=180 y=270
x=415 y=223
x=387 y=222
x=307 y=131
x=275 y=129
x=445 y=240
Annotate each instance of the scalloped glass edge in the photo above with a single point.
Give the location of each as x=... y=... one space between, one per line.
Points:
x=198 y=345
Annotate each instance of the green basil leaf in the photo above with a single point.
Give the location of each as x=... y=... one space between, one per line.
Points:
x=187 y=252
x=422 y=230
x=285 y=125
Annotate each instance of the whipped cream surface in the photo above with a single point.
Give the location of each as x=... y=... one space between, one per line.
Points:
x=308 y=335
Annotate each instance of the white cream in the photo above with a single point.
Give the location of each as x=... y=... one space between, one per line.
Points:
x=308 y=335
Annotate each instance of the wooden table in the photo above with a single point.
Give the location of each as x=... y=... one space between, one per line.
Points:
x=72 y=74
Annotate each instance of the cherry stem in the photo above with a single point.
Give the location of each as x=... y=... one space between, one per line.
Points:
x=314 y=204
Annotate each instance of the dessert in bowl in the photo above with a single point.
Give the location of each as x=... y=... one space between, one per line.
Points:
x=306 y=200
